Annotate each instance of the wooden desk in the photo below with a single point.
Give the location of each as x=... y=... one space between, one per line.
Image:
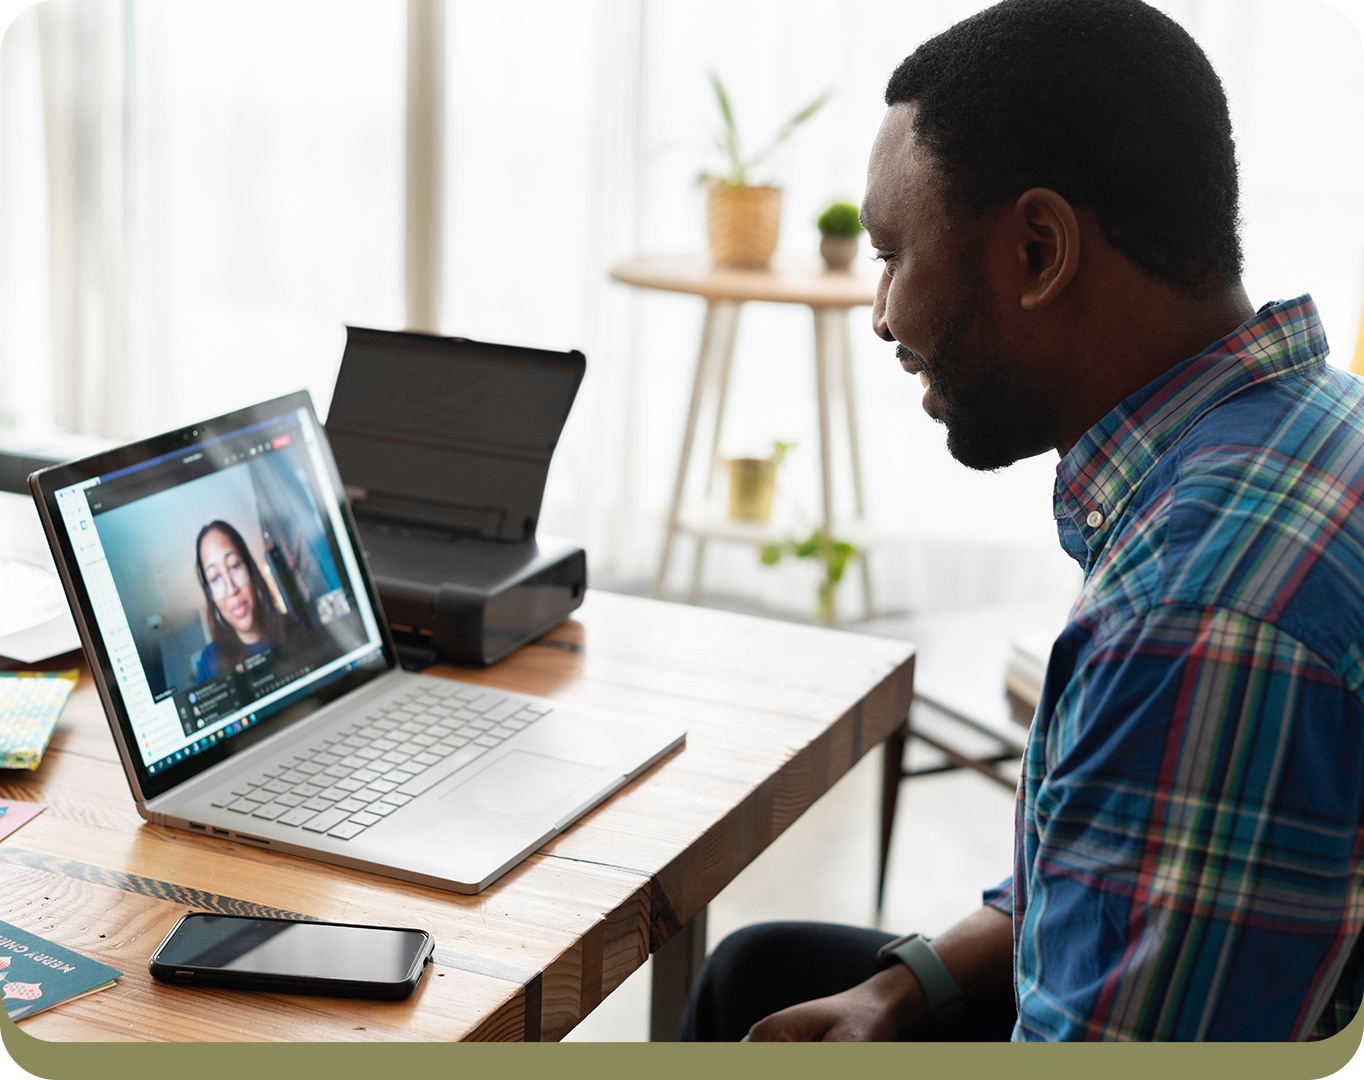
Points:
x=829 y=295
x=776 y=714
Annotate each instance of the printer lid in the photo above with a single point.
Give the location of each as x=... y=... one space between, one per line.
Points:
x=448 y=433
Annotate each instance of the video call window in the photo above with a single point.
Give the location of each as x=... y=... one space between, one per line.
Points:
x=228 y=572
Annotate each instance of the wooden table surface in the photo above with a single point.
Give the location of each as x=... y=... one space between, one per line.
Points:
x=787 y=282
x=776 y=713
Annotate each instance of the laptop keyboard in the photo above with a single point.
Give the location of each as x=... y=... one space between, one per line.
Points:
x=359 y=774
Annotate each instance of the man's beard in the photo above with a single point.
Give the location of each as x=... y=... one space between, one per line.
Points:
x=993 y=416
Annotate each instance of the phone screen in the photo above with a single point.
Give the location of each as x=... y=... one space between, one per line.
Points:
x=298 y=949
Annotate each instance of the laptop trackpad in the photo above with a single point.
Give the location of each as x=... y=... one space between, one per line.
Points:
x=522 y=784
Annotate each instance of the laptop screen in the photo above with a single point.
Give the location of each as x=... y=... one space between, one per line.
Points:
x=223 y=583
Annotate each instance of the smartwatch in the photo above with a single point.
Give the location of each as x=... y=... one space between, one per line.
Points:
x=945 y=1002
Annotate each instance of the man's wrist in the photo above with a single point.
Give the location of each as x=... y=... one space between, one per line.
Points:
x=942 y=996
x=905 y=1002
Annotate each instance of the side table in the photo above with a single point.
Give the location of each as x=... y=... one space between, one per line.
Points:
x=829 y=295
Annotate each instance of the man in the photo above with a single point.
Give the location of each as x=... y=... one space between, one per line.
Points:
x=1053 y=194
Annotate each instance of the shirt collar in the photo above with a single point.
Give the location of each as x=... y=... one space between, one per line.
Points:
x=1097 y=479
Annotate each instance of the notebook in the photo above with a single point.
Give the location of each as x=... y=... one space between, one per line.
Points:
x=238 y=645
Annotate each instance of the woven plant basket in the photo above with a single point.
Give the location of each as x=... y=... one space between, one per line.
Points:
x=742 y=223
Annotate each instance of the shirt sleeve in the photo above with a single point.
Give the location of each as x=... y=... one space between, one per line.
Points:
x=1190 y=852
x=1001 y=896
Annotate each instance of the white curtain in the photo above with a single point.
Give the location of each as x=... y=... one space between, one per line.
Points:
x=259 y=149
x=25 y=329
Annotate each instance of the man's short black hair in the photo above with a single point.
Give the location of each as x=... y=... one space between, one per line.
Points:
x=1108 y=102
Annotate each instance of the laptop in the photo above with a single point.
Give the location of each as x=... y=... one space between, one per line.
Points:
x=252 y=686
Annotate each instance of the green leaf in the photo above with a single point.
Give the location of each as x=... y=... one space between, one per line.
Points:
x=839 y=219
x=770 y=554
x=788 y=128
x=729 y=143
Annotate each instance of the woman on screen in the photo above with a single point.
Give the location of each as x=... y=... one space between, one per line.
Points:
x=241 y=610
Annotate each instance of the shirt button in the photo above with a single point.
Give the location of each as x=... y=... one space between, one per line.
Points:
x=1095 y=519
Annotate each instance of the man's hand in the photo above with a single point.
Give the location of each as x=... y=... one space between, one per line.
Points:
x=978 y=952
x=872 y=1011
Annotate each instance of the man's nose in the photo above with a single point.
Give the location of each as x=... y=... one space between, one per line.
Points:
x=879 y=326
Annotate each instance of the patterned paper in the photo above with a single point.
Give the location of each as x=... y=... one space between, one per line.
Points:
x=30 y=704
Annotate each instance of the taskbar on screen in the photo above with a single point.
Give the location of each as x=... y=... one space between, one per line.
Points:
x=202 y=744
x=213 y=738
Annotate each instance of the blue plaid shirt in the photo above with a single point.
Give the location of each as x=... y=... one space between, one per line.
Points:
x=1187 y=855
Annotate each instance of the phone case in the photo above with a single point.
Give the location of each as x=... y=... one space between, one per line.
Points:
x=189 y=975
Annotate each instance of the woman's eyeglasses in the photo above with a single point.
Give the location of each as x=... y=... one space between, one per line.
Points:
x=217 y=579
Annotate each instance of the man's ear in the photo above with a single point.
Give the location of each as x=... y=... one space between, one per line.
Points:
x=1047 y=240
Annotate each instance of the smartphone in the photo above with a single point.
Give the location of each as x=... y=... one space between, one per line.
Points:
x=290 y=956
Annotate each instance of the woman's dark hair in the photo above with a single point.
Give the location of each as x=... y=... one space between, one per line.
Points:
x=1110 y=103
x=272 y=623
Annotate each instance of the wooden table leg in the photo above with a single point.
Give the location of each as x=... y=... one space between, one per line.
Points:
x=840 y=319
x=675 y=968
x=694 y=593
x=724 y=356
x=688 y=437
x=822 y=324
x=892 y=773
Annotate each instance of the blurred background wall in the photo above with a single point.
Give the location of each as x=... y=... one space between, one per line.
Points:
x=196 y=198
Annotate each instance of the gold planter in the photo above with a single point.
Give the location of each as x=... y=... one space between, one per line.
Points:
x=751 y=481
x=742 y=223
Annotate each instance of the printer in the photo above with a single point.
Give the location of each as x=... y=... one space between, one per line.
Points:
x=444 y=445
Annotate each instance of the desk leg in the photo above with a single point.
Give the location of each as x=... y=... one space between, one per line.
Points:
x=675 y=968
x=892 y=774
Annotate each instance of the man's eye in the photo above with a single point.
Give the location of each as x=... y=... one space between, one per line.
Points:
x=883 y=256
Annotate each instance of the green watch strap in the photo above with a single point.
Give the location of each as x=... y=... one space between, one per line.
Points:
x=945 y=1002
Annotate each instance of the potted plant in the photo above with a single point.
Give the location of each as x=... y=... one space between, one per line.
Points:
x=743 y=219
x=829 y=550
x=839 y=228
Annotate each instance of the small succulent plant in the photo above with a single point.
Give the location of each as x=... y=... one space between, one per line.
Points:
x=839 y=219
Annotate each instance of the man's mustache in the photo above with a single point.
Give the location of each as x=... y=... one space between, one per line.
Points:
x=903 y=354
